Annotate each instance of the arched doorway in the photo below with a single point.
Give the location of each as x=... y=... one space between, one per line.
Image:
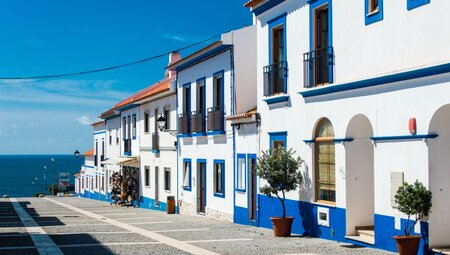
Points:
x=359 y=160
x=324 y=166
x=439 y=178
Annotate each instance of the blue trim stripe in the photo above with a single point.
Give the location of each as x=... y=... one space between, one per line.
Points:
x=413 y=4
x=100 y=132
x=267 y=6
x=209 y=54
x=219 y=132
x=403 y=137
x=276 y=99
x=336 y=140
x=409 y=75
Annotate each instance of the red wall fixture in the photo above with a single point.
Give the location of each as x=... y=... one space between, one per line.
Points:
x=412 y=126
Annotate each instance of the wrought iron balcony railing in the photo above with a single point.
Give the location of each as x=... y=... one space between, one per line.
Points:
x=184 y=126
x=318 y=67
x=215 y=119
x=275 y=78
x=198 y=122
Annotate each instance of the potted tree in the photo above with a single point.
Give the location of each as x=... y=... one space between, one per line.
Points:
x=279 y=168
x=412 y=199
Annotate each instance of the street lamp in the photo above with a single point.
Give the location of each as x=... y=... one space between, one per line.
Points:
x=161 y=123
x=53 y=175
x=76 y=153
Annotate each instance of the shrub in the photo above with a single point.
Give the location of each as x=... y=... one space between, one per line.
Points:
x=280 y=169
x=413 y=199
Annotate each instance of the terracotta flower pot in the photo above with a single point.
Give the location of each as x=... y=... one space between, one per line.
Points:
x=282 y=226
x=407 y=245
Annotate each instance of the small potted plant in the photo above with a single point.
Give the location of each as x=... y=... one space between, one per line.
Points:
x=279 y=168
x=412 y=199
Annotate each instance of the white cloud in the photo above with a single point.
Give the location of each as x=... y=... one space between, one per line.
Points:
x=182 y=38
x=14 y=126
x=84 y=120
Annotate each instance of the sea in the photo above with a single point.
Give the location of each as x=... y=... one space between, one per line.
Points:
x=26 y=175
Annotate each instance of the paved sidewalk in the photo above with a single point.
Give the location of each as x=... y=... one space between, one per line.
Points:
x=83 y=226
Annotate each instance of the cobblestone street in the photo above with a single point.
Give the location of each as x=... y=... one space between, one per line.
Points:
x=82 y=226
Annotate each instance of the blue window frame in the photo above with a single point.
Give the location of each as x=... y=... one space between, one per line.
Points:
x=216 y=113
x=133 y=131
x=240 y=173
x=278 y=139
x=187 y=174
x=277 y=68
x=219 y=178
x=373 y=11
x=413 y=4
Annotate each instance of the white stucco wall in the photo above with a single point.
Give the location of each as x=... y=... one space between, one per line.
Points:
x=167 y=156
x=208 y=147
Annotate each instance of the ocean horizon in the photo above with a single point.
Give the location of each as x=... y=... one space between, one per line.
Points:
x=20 y=171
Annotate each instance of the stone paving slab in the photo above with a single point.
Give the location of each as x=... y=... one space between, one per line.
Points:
x=219 y=237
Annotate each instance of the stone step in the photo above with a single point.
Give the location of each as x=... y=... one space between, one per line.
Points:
x=370 y=233
x=362 y=239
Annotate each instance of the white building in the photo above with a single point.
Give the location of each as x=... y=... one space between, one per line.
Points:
x=339 y=82
x=158 y=162
x=205 y=90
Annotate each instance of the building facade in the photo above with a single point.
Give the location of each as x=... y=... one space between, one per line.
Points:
x=205 y=96
x=340 y=83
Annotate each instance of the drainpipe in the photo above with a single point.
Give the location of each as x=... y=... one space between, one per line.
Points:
x=233 y=127
x=177 y=208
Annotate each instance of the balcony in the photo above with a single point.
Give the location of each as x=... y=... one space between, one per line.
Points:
x=318 y=67
x=275 y=79
x=184 y=126
x=215 y=119
x=127 y=146
x=155 y=142
x=198 y=122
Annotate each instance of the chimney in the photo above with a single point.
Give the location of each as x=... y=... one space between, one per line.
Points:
x=173 y=57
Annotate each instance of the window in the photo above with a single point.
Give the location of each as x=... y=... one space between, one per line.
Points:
x=146 y=122
x=373 y=11
x=147 y=176
x=117 y=136
x=219 y=178
x=102 y=157
x=167 y=179
x=96 y=181
x=134 y=127
x=218 y=91
x=96 y=153
x=124 y=128
x=186 y=99
x=240 y=175
x=110 y=137
x=275 y=74
x=412 y=4
x=167 y=117
x=187 y=174
x=324 y=162
x=156 y=123
x=373 y=6
x=129 y=127
x=277 y=139
x=102 y=185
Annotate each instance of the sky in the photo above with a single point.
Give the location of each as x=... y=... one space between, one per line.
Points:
x=45 y=37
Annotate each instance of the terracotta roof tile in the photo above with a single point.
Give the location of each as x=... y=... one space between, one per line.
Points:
x=89 y=153
x=252 y=3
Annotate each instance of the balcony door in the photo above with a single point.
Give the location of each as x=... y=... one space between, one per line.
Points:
x=321 y=47
x=278 y=59
x=201 y=186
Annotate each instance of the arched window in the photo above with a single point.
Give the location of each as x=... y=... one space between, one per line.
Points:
x=325 y=187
